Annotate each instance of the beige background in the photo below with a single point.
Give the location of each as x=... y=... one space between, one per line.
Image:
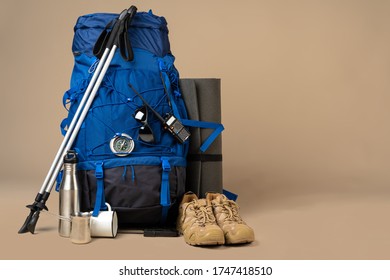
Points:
x=305 y=102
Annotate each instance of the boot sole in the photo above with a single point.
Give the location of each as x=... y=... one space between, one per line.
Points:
x=205 y=243
x=208 y=243
x=241 y=241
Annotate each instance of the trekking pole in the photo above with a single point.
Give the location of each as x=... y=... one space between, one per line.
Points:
x=109 y=42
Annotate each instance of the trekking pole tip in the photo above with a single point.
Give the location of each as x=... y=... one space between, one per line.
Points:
x=35 y=209
x=30 y=223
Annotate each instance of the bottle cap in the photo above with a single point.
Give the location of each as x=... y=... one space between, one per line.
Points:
x=70 y=157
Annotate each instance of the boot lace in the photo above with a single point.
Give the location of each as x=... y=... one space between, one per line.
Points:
x=230 y=209
x=203 y=214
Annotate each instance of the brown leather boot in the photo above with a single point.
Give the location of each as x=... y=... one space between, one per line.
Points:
x=196 y=222
x=226 y=213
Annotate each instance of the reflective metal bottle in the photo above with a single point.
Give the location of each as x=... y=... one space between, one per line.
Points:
x=69 y=194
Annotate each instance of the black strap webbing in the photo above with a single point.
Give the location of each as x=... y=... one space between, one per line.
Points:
x=204 y=157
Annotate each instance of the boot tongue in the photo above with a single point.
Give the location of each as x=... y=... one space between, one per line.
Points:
x=219 y=199
x=202 y=202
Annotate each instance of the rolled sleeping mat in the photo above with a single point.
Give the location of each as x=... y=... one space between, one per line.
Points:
x=202 y=98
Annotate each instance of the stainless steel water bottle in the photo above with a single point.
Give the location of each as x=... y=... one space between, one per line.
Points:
x=69 y=194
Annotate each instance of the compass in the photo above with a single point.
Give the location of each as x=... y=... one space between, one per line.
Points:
x=122 y=144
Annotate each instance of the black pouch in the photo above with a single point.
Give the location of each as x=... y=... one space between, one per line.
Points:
x=134 y=192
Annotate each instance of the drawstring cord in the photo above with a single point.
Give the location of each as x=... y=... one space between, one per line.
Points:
x=57 y=216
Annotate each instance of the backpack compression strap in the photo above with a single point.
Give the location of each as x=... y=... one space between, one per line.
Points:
x=99 y=200
x=217 y=127
x=165 y=194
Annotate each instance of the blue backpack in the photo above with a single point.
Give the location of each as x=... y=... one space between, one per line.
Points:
x=126 y=156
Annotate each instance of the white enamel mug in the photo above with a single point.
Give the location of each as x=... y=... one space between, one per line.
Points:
x=105 y=224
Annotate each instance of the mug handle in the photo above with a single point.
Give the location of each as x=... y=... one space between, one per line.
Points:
x=108 y=208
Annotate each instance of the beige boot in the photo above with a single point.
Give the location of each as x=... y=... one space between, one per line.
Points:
x=226 y=213
x=197 y=222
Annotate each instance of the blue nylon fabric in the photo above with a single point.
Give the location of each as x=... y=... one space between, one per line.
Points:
x=64 y=124
x=230 y=195
x=146 y=31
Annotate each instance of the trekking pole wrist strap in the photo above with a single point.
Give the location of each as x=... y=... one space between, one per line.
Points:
x=117 y=36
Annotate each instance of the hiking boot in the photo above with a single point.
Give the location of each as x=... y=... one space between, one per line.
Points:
x=236 y=231
x=197 y=223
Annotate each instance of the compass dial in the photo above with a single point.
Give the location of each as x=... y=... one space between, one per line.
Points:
x=122 y=144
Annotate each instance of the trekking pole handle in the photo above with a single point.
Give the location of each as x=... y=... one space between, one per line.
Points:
x=123 y=42
x=113 y=34
x=132 y=11
x=125 y=16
